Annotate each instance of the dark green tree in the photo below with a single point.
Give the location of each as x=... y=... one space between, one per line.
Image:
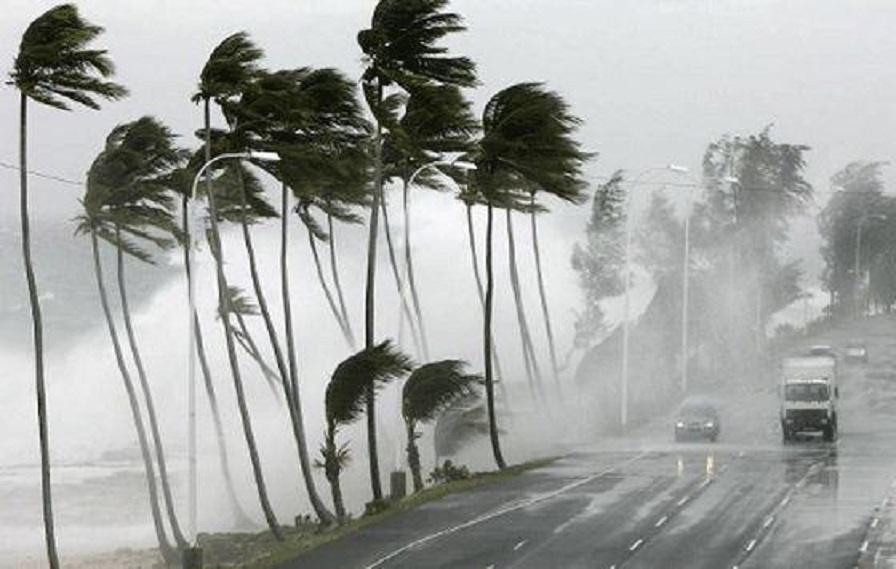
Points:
x=401 y=50
x=429 y=390
x=349 y=388
x=54 y=67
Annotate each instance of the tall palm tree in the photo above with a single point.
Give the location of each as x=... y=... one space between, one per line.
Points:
x=349 y=387
x=401 y=50
x=127 y=204
x=526 y=140
x=430 y=389
x=232 y=65
x=53 y=67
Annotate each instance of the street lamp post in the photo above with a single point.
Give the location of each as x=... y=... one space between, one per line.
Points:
x=856 y=285
x=623 y=411
x=191 y=298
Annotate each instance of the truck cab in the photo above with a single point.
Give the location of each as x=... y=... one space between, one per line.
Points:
x=808 y=395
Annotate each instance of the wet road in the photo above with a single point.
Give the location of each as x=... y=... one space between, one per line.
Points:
x=643 y=501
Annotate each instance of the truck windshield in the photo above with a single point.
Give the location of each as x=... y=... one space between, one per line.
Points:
x=807 y=392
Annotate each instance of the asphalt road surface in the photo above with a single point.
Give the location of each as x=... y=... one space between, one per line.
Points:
x=644 y=501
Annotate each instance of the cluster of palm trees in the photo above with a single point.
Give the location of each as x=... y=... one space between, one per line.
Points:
x=336 y=161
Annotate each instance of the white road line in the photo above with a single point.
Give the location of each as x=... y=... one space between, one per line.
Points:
x=661 y=521
x=751 y=545
x=768 y=521
x=864 y=547
x=874 y=523
x=636 y=545
x=705 y=483
x=502 y=511
x=785 y=501
x=683 y=500
x=519 y=545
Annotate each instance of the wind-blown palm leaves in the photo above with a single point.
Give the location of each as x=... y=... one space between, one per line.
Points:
x=349 y=388
x=525 y=141
x=430 y=389
x=54 y=67
x=401 y=48
x=226 y=74
x=127 y=204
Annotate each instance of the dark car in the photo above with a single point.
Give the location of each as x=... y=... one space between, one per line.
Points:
x=856 y=352
x=697 y=419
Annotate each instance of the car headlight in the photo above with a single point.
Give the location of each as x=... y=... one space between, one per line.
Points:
x=708 y=424
x=679 y=424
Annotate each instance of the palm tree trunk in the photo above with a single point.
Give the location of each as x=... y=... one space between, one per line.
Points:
x=486 y=340
x=312 y=243
x=38 y=338
x=413 y=456
x=168 y=553
x=402 y=299
x=147 y=396
x=555 y=368
x=247 y=342
x=332 y=469
x=533 y=374
x=322 y=512
x=369 y=302
x=239 y=515
x=475 y=258
x=409 y=263
x=336 y=284
x=224 y=303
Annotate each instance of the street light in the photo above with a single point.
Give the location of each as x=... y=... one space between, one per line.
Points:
x=623 y=412
x=878 y=216
x=191 y=298
x=685 y=278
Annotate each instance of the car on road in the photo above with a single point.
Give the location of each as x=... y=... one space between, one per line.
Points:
x=697 y=419
x=822 y=350
x=856 y=352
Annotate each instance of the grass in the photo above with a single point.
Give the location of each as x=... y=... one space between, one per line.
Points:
x=262 y=551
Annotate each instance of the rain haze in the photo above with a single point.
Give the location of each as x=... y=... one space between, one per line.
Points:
x=801 y=84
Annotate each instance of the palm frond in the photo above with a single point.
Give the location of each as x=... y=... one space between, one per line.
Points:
x=433 y=387
x=370 y=368
x=53 y=66
x=231 y=65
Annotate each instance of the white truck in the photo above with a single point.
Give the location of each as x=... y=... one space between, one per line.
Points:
x=808 y=395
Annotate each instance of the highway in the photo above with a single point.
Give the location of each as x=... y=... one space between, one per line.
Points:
x=644 y=501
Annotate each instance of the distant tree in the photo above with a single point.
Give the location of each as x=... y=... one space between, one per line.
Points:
x=53 y=67
x=429 y=390
x=349 y=388
x=598 y=261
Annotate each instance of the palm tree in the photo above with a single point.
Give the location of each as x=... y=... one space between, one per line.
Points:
x=401 y=50
x=125 y=204
x=229 y=69
x=430 y=389
x=351 y=384
x=53 y=67
x=526 y=140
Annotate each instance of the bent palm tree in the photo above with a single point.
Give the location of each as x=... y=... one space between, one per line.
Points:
x=53 y=67
x=525 y=141
x=401 y=50
x=349 y=387
x=430 y=389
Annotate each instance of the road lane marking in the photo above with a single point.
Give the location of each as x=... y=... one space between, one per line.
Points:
x=683 y=500
x=661 y=521
x=502 y=511
x=768 y=521
x=864 y=547
x=874 y=523
x=519 y=545
x=636 y=545
x=751 y=545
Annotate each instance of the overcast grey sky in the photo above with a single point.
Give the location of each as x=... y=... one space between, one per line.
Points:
x=654 y=80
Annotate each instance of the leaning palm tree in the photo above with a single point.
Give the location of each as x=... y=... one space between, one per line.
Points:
x=231 y=66
x=401 y=50
x=525 y=141
x=124 y=205
x=347 y=392
x=430 y=389
x=53 y=67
